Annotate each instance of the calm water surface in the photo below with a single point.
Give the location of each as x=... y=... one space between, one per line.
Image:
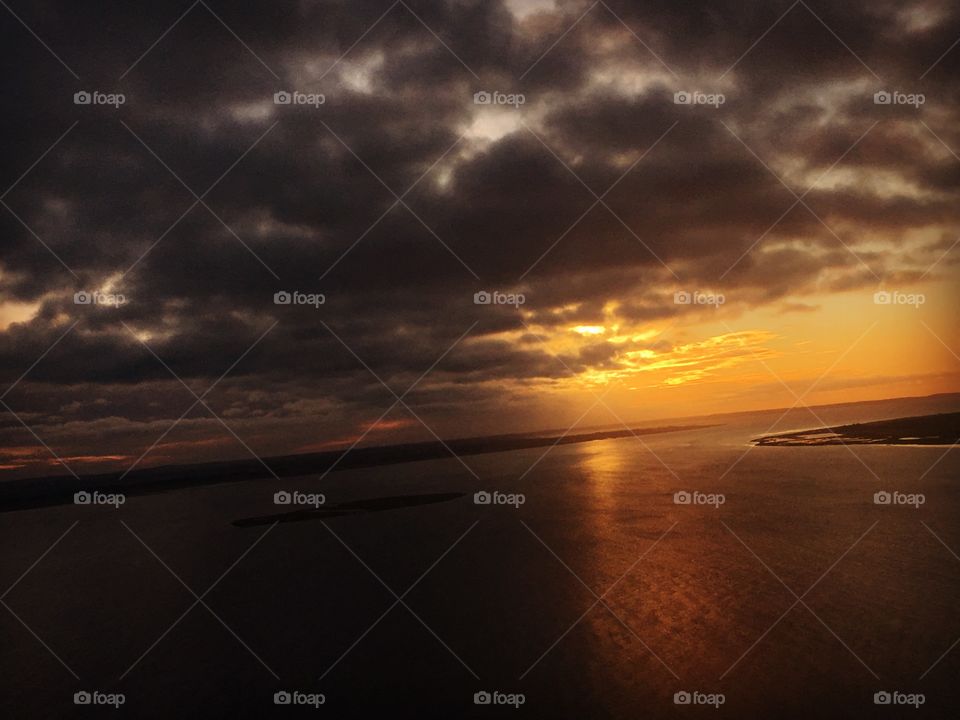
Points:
x=597 y=597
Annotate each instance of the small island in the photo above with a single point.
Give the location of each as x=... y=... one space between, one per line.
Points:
x=942 y=429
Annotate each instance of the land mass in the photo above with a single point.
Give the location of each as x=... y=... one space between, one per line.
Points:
x=58 y=490
x=942 y=429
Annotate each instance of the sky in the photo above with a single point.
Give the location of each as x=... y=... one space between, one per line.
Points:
x=676 y=209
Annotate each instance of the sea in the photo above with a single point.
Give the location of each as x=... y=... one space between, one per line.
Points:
x=682 y=574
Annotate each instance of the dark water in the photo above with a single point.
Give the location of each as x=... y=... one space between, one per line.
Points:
x=693 y=597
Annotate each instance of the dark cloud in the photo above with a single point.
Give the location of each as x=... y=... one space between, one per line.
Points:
x=305 y=198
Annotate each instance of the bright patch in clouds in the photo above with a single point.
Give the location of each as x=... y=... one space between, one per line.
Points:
x=590 y=329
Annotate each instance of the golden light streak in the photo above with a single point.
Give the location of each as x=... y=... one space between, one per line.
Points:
x=589 y=329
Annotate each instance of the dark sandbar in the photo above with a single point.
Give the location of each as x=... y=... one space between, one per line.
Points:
x=59 y=490
x=943 y=429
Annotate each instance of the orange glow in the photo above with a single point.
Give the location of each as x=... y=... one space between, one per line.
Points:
x=385 y=425
x=343 y=442
x=829 y=347
x=89 y=458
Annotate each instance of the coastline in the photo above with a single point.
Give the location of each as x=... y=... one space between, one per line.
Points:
x=921 y=431
x=25 y=493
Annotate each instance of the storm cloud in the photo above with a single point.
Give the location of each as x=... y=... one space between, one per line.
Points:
x=389 y=186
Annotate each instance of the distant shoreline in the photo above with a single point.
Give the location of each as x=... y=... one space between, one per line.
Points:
x=941 y=429
x=58 y=490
